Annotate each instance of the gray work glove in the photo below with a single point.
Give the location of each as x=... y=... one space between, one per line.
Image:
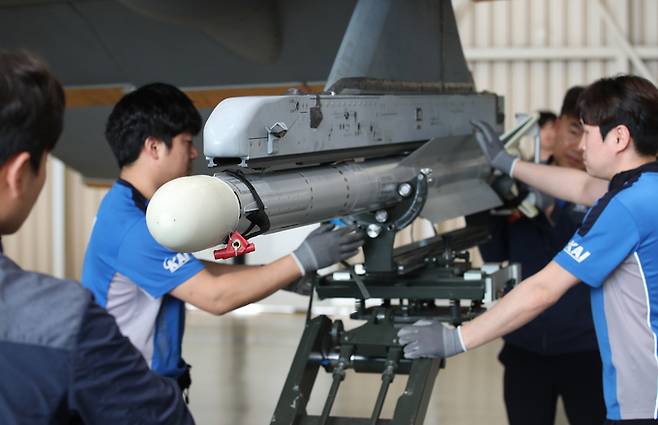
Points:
x=325 y=246
x=429 y=338
x=493 y=147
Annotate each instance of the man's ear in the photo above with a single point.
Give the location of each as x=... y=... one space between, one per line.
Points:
x=152 y=147
x=621 y=138
x=14 y=175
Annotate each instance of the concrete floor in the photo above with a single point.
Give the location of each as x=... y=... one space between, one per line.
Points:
x=240 y=364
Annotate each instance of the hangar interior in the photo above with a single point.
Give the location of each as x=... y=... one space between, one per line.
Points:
x=527 y=51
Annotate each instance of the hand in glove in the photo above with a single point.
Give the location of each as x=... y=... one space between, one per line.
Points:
x=429 y=338
x=493 y=147
x=325 y=246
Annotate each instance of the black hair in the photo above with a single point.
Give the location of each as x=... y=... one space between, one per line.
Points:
x=31 y=107
x=570 y=102
x=624 y=100
x=156 y=110
x=546 y=117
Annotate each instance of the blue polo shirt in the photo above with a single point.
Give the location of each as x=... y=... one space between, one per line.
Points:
x=131 y=275
x=615 y=252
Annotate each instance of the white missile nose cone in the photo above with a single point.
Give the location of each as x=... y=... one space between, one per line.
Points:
x=192 y=213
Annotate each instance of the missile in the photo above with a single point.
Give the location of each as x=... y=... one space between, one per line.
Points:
x=371 y=159
x=192 y=213
x=197 y=212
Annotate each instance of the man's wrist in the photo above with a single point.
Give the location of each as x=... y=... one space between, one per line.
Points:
x=299 y=264
x=461 y=340
x=504 y=162
x=452 y=341
x=515 y=160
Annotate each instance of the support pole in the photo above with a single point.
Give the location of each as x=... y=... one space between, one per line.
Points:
x=58 y=217
x=338 y=375
x=387 y=377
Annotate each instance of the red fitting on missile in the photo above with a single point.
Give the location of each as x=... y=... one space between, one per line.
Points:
x=236 y=245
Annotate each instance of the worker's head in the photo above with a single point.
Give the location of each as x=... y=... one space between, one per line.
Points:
x=568 y=131
x=152 y=128
x=31 y=120
x=546 y=124
x=620 y=119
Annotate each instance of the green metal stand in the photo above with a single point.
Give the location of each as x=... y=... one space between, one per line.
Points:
x=370 y=348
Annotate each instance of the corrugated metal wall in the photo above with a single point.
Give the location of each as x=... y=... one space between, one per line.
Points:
x=529 y=51
x=532 y=51
x=31 y=245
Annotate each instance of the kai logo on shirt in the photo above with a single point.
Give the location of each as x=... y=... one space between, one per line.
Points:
x=176 y=262
x=576 y=251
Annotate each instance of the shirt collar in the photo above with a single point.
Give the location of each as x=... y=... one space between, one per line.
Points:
x=140 y=200
x=620 y=179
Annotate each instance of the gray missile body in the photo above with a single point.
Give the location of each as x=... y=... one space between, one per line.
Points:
x=294 y=172
x=310 y=195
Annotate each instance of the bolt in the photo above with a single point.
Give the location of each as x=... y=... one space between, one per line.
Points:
x=426 y=172
x=404 y=190
x=278 y=129
x=373 y=230
x=381 y=216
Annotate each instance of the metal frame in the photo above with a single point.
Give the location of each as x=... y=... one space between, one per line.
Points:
x=370 y=348
x=444 y=273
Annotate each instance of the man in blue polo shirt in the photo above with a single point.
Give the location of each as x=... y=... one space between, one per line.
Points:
x=145 y=285
x=614 y=252
x=556 y=354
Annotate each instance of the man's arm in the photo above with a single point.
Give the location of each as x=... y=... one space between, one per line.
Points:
x=224 y=292
x=219 y=290
x=111 y=382
x=217 y=269
x=524 y=303
x=564 y=183
x=519 y=306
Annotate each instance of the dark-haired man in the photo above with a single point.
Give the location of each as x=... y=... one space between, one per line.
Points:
x=556 y=354
x=145 y=285
x=547 y=121
x=614 y=252
x=63 y=359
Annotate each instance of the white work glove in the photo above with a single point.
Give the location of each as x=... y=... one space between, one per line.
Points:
x=325 y=246
x=493 y=147
x=430 y=338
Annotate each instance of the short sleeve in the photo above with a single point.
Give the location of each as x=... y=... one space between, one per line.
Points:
x=154 y=268
x=592 y=256
x=111 y=382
